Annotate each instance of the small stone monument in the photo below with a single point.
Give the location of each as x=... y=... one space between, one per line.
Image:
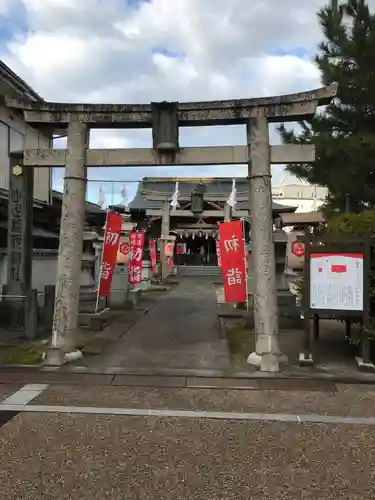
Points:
x=88 y=287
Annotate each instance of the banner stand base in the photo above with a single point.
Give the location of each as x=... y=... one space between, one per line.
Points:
x=267 y=362
x=102 y=311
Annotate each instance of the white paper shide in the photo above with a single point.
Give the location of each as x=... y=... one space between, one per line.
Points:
x=336 y=281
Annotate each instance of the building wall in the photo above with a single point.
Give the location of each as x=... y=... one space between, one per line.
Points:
x=43 y=273
x=306 y=197
x=15 y=135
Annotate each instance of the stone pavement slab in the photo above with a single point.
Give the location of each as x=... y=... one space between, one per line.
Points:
x=149 y=381
x=180 y=331
x=219 y=383
x=94 y=457
x=52 y=377
x=348 y=401
x=58 y=376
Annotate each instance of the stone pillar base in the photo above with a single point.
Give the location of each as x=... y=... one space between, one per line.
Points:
x=365 y=367
x=73 y=356
x=55 y=356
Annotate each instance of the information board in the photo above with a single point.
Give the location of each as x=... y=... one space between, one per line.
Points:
x=336 y=281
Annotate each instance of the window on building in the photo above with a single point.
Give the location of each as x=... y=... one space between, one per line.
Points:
x=4 y=139
x=4 y=161
x=16 y=141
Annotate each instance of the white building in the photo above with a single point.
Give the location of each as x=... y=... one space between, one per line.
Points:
x=306 y=197
x=15 y=134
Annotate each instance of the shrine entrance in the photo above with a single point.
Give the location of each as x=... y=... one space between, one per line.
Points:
x=195 y=251
x=164 y=118
x=196 y=244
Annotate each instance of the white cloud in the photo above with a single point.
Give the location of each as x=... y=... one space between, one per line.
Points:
x=105 y=48
x=276 y=73
x=142 y=51
x=6 y=7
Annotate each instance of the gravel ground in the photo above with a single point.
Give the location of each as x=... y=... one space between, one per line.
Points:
x=6 y=390
x=97 y=458
x=347 y=401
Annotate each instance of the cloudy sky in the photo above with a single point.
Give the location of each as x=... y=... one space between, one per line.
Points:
x=134 y=51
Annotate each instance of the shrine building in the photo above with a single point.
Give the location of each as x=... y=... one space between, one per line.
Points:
x=196 y=227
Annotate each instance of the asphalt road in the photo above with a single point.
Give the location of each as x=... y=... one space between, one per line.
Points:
x=52 y=455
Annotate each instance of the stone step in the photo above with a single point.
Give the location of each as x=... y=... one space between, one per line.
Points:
x=198 y=271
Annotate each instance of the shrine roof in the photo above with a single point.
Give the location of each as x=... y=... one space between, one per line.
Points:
x=221 y=186
x=153 y=192
x=92 y=208
x=12 y=84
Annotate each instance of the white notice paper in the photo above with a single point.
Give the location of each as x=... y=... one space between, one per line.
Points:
x=336 y=281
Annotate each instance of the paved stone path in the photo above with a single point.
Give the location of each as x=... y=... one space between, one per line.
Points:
x=181 y=331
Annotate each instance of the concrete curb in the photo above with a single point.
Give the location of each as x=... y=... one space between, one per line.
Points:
x=196 y=374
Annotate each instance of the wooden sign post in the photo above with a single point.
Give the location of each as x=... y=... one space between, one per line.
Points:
x=336 y=284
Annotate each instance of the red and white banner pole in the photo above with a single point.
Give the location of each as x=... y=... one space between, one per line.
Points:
x=101 y=264
x=246 y=255
x=112 y=233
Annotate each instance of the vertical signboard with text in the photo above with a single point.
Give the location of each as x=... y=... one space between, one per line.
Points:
x=137 y=241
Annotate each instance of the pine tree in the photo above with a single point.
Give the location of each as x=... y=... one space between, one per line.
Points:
x=344 y=133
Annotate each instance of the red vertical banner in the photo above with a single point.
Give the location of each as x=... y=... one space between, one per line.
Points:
x=137 y=241
x=152 y=248
x=110 y=246
x=218 y=253
x=232 y=252
x=180 y=248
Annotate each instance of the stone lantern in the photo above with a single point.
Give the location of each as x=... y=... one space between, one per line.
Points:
x=88 y=289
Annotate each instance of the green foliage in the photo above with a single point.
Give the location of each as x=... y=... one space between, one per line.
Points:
x=344 y=132
x=20 y=355
x=352 y=224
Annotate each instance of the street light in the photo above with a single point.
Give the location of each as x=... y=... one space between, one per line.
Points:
x=197 y=200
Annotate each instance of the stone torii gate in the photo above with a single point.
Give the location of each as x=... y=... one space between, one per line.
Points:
x=164 y=118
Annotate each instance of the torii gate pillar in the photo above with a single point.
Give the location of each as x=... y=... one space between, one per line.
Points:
x=65 y=318
x=267 y=350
